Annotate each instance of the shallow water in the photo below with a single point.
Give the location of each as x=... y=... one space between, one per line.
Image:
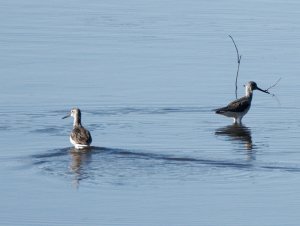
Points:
x=146 y=76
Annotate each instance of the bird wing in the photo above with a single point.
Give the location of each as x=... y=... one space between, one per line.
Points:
x=238 y=105
x=81 y=136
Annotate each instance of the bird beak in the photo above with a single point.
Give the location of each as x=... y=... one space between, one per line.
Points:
x=67 y=116
x=265 y=91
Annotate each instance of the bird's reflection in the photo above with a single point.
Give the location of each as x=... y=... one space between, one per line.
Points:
x=239 y=133
x=79 y=160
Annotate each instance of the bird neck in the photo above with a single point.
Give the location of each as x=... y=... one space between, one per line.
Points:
x=77 y=121
x=249 y=92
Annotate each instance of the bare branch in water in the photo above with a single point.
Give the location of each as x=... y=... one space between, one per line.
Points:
x=239 y=58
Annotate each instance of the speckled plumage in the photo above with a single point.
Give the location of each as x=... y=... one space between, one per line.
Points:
x=80 y=137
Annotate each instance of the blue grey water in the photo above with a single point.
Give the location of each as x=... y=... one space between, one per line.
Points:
x=146 y=75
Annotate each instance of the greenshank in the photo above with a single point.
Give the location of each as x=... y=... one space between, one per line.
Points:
x=238 y=109
x=80 y=137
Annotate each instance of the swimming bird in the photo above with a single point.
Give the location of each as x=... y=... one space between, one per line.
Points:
x=80 y=137
x=238 y=109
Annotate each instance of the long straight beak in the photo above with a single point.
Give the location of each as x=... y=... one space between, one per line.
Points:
x=265 y=91
x=67 y=116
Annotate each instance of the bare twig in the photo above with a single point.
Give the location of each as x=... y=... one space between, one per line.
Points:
x=272 y=86
x=239 y=58
x=277 y=99
x=275 y=84
x=272 y=94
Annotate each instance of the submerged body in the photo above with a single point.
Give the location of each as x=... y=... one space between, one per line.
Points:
x=80 y=137
x=239 y=108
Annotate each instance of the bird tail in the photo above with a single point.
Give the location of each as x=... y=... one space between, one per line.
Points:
x=220 y=110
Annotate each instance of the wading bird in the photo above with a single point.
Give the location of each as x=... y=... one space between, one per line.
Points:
x=80 y=137
x=238 y=109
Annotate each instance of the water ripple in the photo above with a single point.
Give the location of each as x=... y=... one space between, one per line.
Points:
x=148 y=110
x=100 y=165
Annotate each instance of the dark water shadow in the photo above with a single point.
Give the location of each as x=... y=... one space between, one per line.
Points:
x=239 y=134
x=108 y=165
x=87 y=154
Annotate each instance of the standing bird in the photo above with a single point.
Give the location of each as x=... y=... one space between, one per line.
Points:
x=238 y=109
x=80 y=137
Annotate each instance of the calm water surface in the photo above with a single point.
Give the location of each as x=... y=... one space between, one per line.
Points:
x=146 y=76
